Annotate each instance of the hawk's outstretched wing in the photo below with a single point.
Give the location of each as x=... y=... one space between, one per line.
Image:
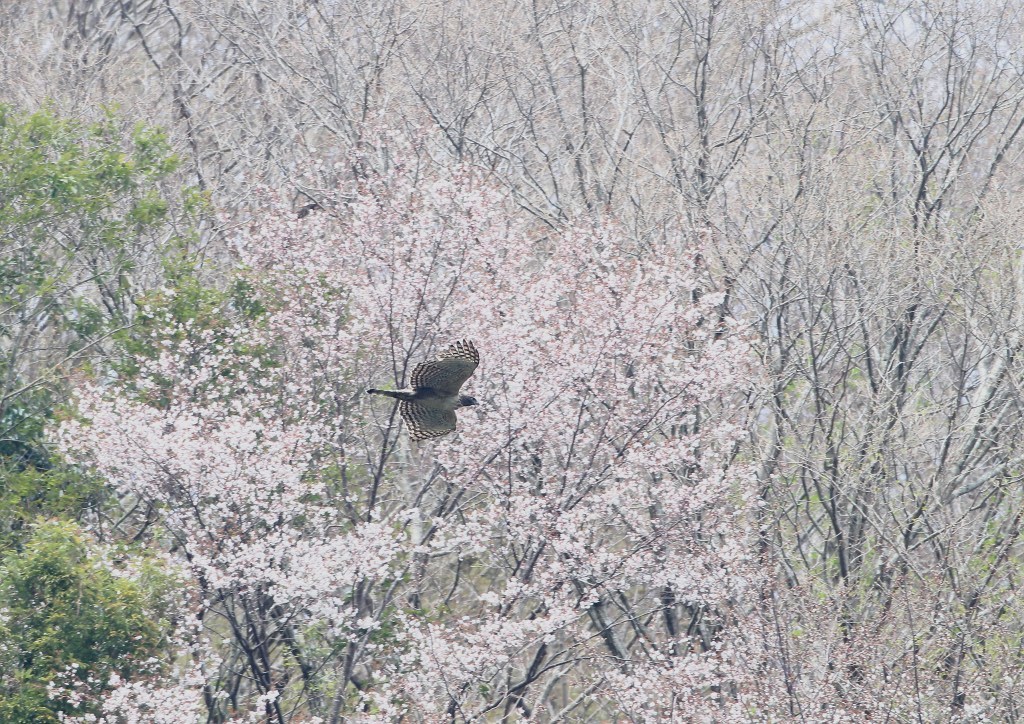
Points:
x=426 y=420
x=452 y=367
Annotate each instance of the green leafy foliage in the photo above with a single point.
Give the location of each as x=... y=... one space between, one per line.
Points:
x=84 y=215
x=81 y=206
x=68 y=623
x=38 y=489
x=87 y=229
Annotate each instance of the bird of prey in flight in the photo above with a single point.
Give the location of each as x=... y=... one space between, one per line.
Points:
x=428 y=405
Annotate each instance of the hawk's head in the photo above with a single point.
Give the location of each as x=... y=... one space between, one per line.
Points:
x=466 y=401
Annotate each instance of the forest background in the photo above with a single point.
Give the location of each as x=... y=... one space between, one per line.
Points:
x=744 y=278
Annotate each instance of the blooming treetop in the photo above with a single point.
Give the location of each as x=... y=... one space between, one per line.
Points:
x=581 y=544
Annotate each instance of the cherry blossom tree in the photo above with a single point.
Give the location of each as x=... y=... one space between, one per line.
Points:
x=580 y=547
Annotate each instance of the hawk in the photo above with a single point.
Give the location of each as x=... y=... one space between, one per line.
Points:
x=428 y=405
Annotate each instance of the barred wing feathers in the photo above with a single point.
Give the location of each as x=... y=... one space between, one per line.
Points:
x=426 y=420
x=449 y=371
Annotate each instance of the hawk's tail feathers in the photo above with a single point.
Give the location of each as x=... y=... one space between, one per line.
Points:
x=386 y=393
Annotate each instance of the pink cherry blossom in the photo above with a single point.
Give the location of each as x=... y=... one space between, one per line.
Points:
x=582 y=543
